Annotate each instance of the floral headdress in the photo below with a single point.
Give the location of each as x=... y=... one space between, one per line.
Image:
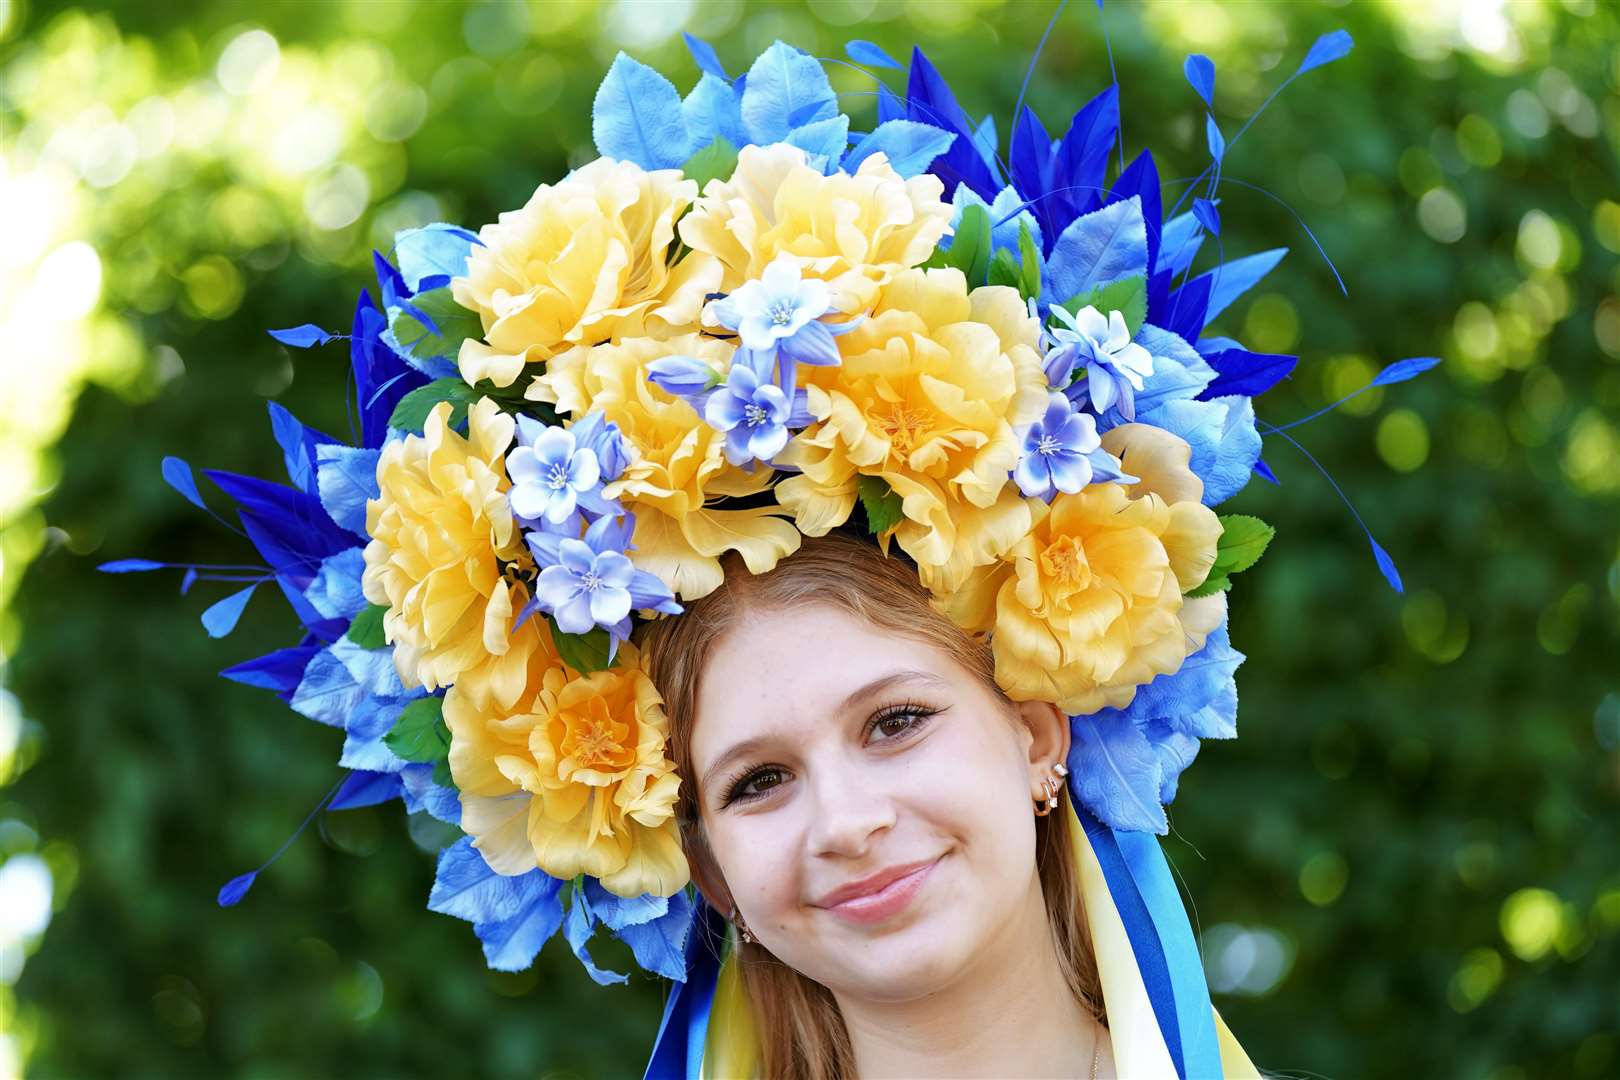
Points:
x=742 y=324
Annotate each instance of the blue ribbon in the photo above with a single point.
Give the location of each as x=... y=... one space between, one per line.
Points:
x=678 y=1051
x=1161 y=938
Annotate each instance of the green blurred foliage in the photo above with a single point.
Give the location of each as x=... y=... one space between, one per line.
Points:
x=1405 y=866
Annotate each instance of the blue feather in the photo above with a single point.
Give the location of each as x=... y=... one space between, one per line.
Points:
x=866 y=52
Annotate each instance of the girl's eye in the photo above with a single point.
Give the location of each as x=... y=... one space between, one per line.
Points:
x=753 y=785
x=898 y=722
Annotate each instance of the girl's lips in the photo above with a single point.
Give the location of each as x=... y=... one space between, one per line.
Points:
x=890 y=900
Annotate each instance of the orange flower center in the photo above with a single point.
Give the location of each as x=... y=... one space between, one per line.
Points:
x=595 y=740
x=1064 y=561
x=904 y=427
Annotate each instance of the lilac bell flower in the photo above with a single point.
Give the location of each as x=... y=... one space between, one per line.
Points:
x=754 y=414
x=590 y=582
x=1062 y=452
x=603 y=438
x=549 y=475
x=777 y=316
x=1114 y=365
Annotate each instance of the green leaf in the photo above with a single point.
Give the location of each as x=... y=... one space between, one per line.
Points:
x=412 y=411
x=1212 y=585
x=882 y=505
x=584 y=653
x=419 y=734
x=1004 y=270
x=970 y=247
x=1031 y=252
x=1127 y=296
x=717 y=161
x=367 y=629
x=441 y=774
x=455 y=325
x=1243 y=541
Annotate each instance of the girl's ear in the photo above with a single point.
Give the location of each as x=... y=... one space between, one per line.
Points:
x=1049 y=735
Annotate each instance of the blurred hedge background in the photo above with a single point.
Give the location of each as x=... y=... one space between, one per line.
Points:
x=1409 y=863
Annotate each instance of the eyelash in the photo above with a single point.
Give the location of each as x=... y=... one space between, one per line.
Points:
x=919 y=713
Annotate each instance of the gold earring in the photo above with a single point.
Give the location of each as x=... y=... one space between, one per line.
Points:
x=1046 y=803
x=742 y=927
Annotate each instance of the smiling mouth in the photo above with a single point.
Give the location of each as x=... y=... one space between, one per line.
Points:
x=882 y=899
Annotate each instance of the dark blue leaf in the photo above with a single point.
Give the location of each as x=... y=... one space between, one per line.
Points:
x=636 y=117
x=1080 y=161
x=365 y=789
x=188 y=580
x=1386 y=565
x=1200 y=71
x=303 y=337
x=1212 y=134
x=1263 y=471
x=130 y=566
x=1208 y=215
x=220 y=619
x=1189 y=306
x=866 y=52
x=705 y=56
x=1239 y=371
x=233 y=890
x=1401 y=370
x=786 y=89
x=178 y=475
x=1141 y=178
x=910 y=147
x=1326 y=49
x=280 y=671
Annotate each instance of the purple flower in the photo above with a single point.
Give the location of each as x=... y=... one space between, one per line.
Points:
x=1100 y=344
x=549 y=476
x=776 y=316
x=591 y=582
x=1055 y=451
x=683 y=376
x=602 y=437
x=753 y=414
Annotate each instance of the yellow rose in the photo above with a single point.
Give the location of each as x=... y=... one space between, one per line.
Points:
x=574 y=779
x=441 y=532
x=853 y=232
x=1088 y=606
x=680 y=463
x=585 y=260
x=931 y=387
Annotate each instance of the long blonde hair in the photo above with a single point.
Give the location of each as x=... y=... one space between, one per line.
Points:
x=802 y=1034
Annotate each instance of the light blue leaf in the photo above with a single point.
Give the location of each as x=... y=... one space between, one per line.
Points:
x=1175 y=752
x=1212 y=134
x=1200 y=71
x=1004 y=222
x=712 y=111
x=659 y=945
x=823 y=140
x=220 y=619
x=327 y=693
x=1401 y=370
x=363 y=788
x=1179 y=243
x=910 y=147
x=467 y=888
x=578 y=926
x=1104 y=245
x=637 y=117
x=346 y=477
x=432 y=252
x=233 y=890
x=421 y=793
x=1386 y=565
x=1331 y=46
x=1231 y=280
x=130 y=566
x=1200 y=697
x=335 y=592
x=373 y=670
x=1114 y=773
x=1208 y=215
x=708 y=61
x=617 y=912
x=1222 y=435
x=178 y=475
x=1178 y=371
x=512 y=944
x=303 y=337
x=870 y=54
x=785 y=90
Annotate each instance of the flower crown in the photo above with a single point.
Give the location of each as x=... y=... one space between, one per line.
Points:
x=744 y=324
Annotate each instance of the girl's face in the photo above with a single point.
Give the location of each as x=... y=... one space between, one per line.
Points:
x=868 y=801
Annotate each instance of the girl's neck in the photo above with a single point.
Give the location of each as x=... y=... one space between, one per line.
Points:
x=1010 y=1014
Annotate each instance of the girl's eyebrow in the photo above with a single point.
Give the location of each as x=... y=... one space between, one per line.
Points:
x=860 y=694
